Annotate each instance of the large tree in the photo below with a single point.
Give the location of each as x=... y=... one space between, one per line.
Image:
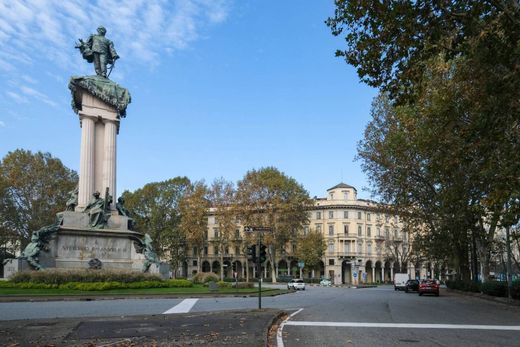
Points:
x=451 y=145
x=222 y=197
x=155 y=209
x=311 y=248
x=193 y=208
x=267 y=197
x=33 y=188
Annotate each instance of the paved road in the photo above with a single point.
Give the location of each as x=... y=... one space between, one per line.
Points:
x=329 y=316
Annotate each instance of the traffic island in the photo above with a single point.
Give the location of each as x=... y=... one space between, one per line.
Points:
x=224 y=328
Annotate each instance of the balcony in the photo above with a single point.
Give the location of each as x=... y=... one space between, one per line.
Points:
x=379 y=238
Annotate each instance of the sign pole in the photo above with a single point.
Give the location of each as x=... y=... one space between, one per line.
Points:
x=259 y=270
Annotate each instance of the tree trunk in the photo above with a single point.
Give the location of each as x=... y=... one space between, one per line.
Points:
x=221 y=265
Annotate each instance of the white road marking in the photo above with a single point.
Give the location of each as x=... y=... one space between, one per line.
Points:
x=183 y=307
x=279 y=337
x=403 y=325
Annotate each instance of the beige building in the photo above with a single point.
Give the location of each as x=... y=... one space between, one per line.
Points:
x=365 y=244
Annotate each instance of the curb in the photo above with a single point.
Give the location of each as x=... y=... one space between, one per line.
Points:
x=269 y=326
x=500 y=300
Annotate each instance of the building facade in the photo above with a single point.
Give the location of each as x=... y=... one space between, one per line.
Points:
x=364 y=244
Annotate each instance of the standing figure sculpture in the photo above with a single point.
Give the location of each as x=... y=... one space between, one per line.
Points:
x=73 y=199
x=99 y=50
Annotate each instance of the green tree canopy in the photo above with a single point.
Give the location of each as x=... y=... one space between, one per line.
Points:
x=155 y=209
x=267 y=197
x=33 y=188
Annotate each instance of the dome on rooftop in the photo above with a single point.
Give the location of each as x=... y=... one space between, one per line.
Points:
x=342 y=185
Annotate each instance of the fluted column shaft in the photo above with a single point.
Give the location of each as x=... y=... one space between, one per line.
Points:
x=109 y=161
x=86 y=164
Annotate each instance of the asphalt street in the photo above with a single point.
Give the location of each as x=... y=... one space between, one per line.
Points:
x=328 y=316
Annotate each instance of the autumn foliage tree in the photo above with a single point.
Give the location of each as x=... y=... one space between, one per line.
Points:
x=33 y=188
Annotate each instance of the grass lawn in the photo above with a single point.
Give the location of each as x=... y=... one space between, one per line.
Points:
x=195 y=290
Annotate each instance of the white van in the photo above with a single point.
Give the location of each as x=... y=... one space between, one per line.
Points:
x=400 y=281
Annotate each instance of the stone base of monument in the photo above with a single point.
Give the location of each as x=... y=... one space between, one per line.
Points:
x=76 y=244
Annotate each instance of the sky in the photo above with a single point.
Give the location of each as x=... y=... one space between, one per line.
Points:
x=218 y=87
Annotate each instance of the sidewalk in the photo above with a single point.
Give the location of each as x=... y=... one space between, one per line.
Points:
x=225 y=328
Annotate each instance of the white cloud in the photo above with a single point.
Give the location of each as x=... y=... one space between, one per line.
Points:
x=142 y=30
x=37 y=95
x=19 y=99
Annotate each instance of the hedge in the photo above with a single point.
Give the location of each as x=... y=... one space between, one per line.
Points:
x=98 y=286
x=56 y=276
x=205 y=277
x=492 y=288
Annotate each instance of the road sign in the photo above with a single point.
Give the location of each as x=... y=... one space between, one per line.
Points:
x=301 y=264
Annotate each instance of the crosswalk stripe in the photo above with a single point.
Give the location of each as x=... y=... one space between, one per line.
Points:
x=184 y=306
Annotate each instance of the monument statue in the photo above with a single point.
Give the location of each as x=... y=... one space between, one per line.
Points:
x=120 y=207
x=150 y=257
x=39 y=242
x=73 y=199
x=97 y=210
x=99 y=50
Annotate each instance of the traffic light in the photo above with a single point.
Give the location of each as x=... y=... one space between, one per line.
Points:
x=251 y=253
x=263 y=256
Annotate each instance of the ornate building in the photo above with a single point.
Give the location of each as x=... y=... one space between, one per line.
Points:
x=364 y=244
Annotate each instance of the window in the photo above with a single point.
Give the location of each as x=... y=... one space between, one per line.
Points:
x=318 y=215
x=345 y=214
x=387 y=232
x=206 y=250
x=359 y=230
x=345 y=195
x=331 y=247
x=237 y=234
x=226 y=251
x=318 y=228
x=396 y=233
x=206 y=235
x=305 y=230
x=195 y=251
x=369 y=248
x=369 y=231
x=216 y=250
x=194 y=263
x=331 y=230
x=331 y=195
x=359 y=215
x=331 y=261
x=368 y=216
x=215 y=231
x=387 y=218
x=345 y=229
x=331 y=214
x=378 y=231
x=211 y=220
x=404 y=236
x=347 y=247
x=237 y=250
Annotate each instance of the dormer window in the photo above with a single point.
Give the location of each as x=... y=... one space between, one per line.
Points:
x=345 y=195
x=331 y=196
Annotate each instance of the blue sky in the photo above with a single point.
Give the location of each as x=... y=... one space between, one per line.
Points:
x=218 y=87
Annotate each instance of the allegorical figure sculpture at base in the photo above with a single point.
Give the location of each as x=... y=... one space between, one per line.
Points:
x=150 y=257
x=99 y=50
x=39 y=242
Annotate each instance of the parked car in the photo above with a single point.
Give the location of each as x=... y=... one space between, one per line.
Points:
x=429 y=287
x=325 y=282
x=296 y=285
x=400 y=281
x=412 y=285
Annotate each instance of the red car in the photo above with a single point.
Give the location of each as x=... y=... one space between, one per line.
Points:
x=429 y=287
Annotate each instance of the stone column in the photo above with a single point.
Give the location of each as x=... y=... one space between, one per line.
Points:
x=373 y=274
x=86 y=164
x=382 y=273
x=109 y=160
x=391 y=272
